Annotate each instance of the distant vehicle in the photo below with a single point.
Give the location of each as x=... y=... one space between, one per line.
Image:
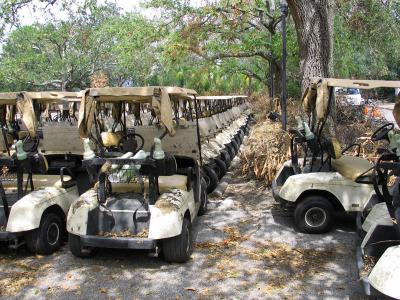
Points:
x=351 y=96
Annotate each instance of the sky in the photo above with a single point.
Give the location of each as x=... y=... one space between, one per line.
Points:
x=29 y=16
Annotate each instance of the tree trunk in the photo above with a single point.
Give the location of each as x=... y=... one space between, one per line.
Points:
x=314 y=26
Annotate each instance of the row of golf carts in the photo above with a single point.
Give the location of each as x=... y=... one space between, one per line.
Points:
x=321 y=179
x=132 y=170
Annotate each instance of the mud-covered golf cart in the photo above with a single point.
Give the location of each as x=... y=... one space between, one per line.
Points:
x=223 y=123
x=325 y=180
x=147 y=172
x=34 y=204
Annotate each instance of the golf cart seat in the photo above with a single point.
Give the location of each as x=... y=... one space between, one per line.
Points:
x=111 y=139
x=165 y=183
x=352 y=167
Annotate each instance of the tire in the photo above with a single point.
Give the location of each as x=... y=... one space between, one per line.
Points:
x=179 y=248
x=235 y=146
x=203 y=198
x=314 y=214
x=241 y=134
x=76 y=247
x=226 y=158
x=221 y=166
x=237 y=140
x=48 y=237
x=212 y=179
x=231 y=151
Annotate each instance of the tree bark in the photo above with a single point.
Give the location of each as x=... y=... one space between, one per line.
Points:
x=314 y=26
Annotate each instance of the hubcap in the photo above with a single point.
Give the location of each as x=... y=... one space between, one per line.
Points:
x=315 y=217
x=53 y=234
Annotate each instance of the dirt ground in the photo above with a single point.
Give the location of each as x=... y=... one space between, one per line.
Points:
x=246 y=248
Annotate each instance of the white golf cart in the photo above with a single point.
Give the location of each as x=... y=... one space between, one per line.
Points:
x=34 y=204
x=148 y=184
x=326 y=181
x=378 y=257
x=223 y=124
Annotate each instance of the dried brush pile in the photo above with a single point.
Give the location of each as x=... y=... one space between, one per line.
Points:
x=266 y=149
x=268 y=146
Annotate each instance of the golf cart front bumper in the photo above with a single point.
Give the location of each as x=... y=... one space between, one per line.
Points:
x=118 y=242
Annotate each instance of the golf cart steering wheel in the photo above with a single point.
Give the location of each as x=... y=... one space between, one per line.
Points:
x=128 y=143
x=382 y=132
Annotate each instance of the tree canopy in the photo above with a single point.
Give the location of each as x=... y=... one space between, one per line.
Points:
x=216 y=47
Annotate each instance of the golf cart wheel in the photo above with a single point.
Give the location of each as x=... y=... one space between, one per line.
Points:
x=179 y=248
x=203 y=198
x=314 y=214
x=221 y=166
x=76 y=247
x=48 y=237
x=211 y=179
x=237 y=140
x=226 y=158
x=231 y=151
x=235 y=146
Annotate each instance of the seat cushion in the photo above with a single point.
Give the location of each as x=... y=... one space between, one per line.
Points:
x=352 y=167
x=165 y=183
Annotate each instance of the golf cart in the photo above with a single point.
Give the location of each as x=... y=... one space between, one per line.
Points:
x=326 y=180
x=59 y=139
x=148 y=187
x=378 y=257
x=223 y=125
x=34 y=204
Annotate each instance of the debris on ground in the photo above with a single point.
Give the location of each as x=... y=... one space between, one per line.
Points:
x=369 y=264
x=143 y=234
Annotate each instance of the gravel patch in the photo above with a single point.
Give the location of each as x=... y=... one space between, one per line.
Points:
x=246 y=248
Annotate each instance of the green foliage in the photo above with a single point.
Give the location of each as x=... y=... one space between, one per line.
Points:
x=367 y=43
x=214 y=47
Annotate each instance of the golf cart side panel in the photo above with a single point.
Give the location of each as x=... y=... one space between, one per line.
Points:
x=168 y=213
x=345 y=190
x=77 y=219
x=27 y=212
x=379 y=214
x=384 y=277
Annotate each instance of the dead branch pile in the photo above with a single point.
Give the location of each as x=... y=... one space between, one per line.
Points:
x=265 y=151
x=268 y=145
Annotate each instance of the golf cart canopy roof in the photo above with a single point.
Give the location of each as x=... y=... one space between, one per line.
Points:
x=41 y=97
x=159 y=97
x=359 y=84
x=137 y=94
x=230 y=97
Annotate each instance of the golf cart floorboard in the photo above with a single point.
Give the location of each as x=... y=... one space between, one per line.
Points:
x=6 y=236
x=118 y=242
